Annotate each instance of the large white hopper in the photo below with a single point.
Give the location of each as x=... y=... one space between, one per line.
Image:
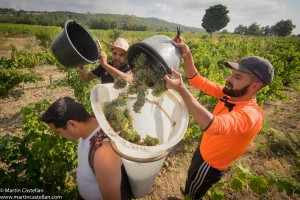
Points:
x=165 y=117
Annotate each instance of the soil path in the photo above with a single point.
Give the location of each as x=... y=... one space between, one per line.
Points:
x=10 y=106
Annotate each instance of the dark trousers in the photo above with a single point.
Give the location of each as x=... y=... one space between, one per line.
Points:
x=201 y=176
x=126 y=193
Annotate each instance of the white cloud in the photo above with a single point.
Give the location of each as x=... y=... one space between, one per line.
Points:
x=159 y=8
x=246 y=12
x=186 y=12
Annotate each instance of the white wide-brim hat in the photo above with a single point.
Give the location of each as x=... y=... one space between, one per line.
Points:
x=120 y=43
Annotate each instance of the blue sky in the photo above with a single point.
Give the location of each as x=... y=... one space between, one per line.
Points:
x=186 y=12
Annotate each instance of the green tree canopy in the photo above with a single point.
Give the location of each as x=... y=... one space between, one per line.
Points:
x=241 y=30
x=267 y=30
x=254 y=29
x=284 y=28
x=215 y=18
x=105 y=24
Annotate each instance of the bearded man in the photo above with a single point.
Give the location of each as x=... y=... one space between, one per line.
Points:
x=107 y=72
x=234 y=122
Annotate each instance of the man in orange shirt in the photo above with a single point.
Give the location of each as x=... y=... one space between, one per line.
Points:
x=234 y=122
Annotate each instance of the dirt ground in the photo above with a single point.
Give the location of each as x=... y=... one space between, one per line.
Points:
x=284 y=117
x=10 y=106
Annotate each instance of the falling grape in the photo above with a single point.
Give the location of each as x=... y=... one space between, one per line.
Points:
x=119 y=83
x=147 y=74
x=120 y=120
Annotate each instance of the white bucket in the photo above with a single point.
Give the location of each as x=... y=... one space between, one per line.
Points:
x=165 y=118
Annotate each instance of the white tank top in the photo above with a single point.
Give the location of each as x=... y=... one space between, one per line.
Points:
x=86 y=179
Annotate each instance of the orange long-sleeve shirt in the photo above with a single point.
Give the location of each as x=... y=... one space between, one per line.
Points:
x=230 y=133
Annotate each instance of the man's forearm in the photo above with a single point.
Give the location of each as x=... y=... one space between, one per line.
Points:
x=115 y=73
x=87 y=76
x=189 y=66
x=201 y=115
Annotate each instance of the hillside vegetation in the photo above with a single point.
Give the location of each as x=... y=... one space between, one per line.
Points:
x=91 y=20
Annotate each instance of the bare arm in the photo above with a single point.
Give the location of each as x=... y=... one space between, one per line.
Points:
x=85 y=76
x=201 y=115
x=107 y=165
x=114 y=72
x=189 y=66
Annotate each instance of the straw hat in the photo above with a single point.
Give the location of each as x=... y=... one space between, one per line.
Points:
x=120 y=43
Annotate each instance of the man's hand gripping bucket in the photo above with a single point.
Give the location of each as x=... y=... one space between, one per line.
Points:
x=165 y=118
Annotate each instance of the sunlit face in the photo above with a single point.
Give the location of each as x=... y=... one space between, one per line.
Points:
x=118 y=57
x=237 y=84
x=68 y=133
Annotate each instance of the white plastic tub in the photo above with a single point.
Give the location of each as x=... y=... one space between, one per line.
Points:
x=165 y=117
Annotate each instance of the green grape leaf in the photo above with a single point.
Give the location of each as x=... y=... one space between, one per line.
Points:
x=237 y=184
x=258 y=185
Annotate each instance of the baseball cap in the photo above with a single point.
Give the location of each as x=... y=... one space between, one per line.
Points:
x=256 y=65
x=120 y=43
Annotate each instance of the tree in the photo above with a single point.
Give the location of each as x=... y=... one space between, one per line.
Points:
x=241 y=30
x=284 y=28
x=103 y=23
x=254 y=29
x=225 y=31
x=215 y=18
x=131 y=23
x=267 y=30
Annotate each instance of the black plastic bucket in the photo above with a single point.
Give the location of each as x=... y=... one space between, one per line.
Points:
x=160 y=48
x=74 y=46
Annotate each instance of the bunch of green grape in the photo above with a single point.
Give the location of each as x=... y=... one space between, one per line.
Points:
x=119 y=83
x=118 y=116
x=134 y=137
x=147 y=74
x=119 y=119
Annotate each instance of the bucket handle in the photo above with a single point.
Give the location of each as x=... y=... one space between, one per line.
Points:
x=99 y=45
x=139 y=160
